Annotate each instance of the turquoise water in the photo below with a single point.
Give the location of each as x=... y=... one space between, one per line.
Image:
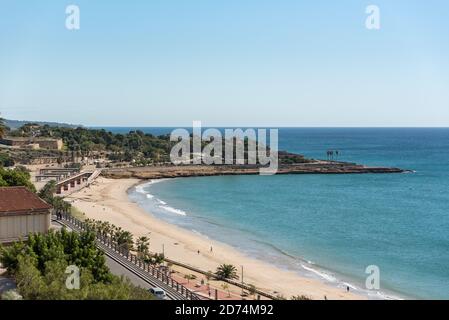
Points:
x=332 y=226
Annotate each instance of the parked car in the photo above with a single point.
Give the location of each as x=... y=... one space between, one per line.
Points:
x=158 y=293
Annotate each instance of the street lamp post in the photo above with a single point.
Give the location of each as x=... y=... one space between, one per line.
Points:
x=242 y=281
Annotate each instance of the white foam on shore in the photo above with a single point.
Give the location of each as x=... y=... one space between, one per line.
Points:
x=351 y=286
x=141 y=187
x=383 y=296
x=173 y=210
x=321 y=274
x=307 y=265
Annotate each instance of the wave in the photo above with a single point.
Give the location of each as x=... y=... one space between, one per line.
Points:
x=384 y=296
x=141 y=187
x=161 y=204
x=321 y=274
x=174 y=210
x=306 y=265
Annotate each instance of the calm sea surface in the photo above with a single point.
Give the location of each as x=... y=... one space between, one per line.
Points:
x=331 y=226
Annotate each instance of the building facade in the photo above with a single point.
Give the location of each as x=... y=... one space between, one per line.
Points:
x=22 y=212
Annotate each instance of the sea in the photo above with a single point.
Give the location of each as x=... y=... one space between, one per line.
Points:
x=336 y=228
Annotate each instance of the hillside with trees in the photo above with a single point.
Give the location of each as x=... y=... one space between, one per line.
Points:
x=135 y=146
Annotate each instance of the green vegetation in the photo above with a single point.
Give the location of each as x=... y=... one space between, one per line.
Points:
x=140 y=148
x=226 y=271
x=6 y=160
x=15 y=178
x=134 y=145
x=143 y=247
x=125 y=240
x=58 y=203
x=39 y=267
x=189 y=277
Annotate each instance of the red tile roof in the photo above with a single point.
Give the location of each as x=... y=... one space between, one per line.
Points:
x=19 y=200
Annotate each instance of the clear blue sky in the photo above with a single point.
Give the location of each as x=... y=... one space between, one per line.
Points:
x=226 y=63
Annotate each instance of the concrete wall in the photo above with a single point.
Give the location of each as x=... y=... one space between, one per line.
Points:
x=14 y=227
x=51 y=144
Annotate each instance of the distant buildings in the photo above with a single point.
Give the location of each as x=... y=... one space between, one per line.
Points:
x=22 y=212
x=32 y=143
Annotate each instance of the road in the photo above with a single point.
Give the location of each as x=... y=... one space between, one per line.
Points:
x=138 y=277
x=119 y=270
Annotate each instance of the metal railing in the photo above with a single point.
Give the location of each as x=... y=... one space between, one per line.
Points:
x=136 y=265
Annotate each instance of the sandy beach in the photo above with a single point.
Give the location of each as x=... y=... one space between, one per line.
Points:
x=107 y=200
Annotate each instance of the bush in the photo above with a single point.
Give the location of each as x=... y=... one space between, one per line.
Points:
x=6 y=160
x=39 y=267
x=11 y=295
x=16 y=177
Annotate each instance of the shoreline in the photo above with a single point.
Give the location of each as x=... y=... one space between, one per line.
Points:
x=281 y=259
x=107 y=200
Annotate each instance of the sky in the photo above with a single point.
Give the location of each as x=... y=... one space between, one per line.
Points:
x=226 y=63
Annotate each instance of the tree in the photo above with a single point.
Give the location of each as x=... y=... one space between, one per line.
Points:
x=209 y=276
x=124 y=239
x=143 y=247
x=16 y=177
x=226 y=271
x=155 y=259
x=47 y=192
x=58 y=203
x=189 y=277
x=225 y=287
x=6 y=160
x=252 y=290
x=39 y=266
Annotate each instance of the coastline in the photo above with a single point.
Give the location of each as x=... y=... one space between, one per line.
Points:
x=107 y=200
x=185 y=171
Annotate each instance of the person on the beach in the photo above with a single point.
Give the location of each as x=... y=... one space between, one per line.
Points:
x=211 y=249
x=198 y=251
x=347 y=288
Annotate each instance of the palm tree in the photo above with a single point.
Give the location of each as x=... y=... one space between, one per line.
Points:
x=225 y=287
x=209 y=276
x=48 y=191
x=226 y=271
x=156 y=259
x=125 y=240
x=106 y=228
x=252 y=290
x=189 y=277
x=142 y=247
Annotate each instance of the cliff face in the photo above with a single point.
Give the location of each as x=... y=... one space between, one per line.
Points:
x=322 y=167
